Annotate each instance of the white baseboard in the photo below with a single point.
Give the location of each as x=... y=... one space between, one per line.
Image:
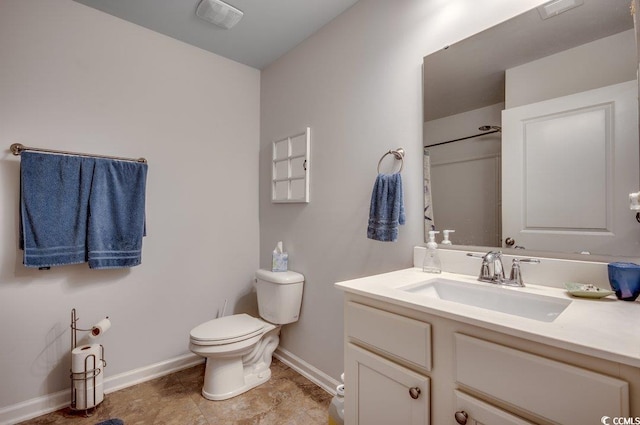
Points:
x=29 y=409
x=316 y=376
x=38 y=406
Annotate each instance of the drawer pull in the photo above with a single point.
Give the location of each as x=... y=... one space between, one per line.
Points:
x=461 y=417
x=414 y=392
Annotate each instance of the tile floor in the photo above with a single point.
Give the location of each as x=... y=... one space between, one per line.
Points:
x=286 y=399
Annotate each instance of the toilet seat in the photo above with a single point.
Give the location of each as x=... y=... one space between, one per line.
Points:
x=227 y=330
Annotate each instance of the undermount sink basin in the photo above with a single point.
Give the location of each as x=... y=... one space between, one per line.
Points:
x=501 y=299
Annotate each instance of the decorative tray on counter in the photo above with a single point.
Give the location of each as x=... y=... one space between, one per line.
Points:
x=586 y=290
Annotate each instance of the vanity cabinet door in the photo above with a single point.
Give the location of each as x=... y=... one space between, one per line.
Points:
x=478 y=412
x=380 y=392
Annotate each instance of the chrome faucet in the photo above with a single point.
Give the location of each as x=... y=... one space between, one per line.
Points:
x=492 y=269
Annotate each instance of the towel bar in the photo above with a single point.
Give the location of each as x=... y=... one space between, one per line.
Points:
x=17 y=149
x=398 y=154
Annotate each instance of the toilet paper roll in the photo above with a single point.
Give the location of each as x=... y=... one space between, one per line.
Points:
x=100 y=328
x=86 y=362
x=87 y=374
x=86 y=399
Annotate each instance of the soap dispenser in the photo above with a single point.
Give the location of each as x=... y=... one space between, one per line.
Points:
x=445 y=238
x=431 y=263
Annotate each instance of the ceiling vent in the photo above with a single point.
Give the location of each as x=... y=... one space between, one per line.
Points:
x=219 y=13
x=556 y=7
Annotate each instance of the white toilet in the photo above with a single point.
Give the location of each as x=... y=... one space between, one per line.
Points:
x=238 y=348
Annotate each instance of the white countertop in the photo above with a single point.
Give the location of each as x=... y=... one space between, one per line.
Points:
x=604 y=328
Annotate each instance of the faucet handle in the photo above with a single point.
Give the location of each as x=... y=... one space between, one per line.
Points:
x=516 y=273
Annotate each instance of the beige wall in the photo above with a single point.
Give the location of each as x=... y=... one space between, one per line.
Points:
x=77 y=79
x=357 y=84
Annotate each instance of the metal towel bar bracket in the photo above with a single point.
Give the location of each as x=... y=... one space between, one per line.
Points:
x=397 y=154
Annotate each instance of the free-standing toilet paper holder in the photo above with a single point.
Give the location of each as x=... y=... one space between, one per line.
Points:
x=88 y=374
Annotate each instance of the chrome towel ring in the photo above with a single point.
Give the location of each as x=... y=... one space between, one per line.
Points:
x=398 y=154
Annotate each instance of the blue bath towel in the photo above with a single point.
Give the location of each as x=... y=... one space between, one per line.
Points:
x=117 y=214
x=387 y=208
x=53 y=208
x=76 y=209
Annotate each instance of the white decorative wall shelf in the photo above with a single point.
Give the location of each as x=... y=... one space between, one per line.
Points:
x=290 y=168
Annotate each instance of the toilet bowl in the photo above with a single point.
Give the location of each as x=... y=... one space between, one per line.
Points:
x=239 y=348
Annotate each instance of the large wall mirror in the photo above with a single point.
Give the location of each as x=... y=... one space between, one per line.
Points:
x=531 y=133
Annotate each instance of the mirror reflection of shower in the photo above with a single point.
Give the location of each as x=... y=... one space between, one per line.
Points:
x=463 y=179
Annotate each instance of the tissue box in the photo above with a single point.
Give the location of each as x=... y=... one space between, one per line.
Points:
x=280 y=262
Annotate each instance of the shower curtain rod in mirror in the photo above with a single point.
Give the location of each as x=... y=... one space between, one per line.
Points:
x=495 y=130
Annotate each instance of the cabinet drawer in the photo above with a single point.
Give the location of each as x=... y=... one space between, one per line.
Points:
x=480 y=413
x=556 y=391
x=399 y=336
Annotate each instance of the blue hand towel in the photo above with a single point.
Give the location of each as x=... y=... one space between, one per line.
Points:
x=54 y=194
x=387 y=208
x=117 y=214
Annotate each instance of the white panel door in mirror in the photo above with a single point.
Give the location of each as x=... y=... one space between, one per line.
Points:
x=561 y=158
x=290 y=169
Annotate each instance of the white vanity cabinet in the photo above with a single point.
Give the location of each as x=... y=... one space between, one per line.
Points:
x=403 y=366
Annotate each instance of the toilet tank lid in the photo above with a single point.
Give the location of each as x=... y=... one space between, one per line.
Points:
x=280 y=277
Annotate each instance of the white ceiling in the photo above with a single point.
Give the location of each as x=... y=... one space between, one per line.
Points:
x=268 y=29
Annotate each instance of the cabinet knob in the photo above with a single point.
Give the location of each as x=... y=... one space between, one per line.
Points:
x=461 y=417
x=414 y=392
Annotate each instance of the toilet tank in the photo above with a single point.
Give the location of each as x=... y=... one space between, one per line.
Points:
x=279 y=295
